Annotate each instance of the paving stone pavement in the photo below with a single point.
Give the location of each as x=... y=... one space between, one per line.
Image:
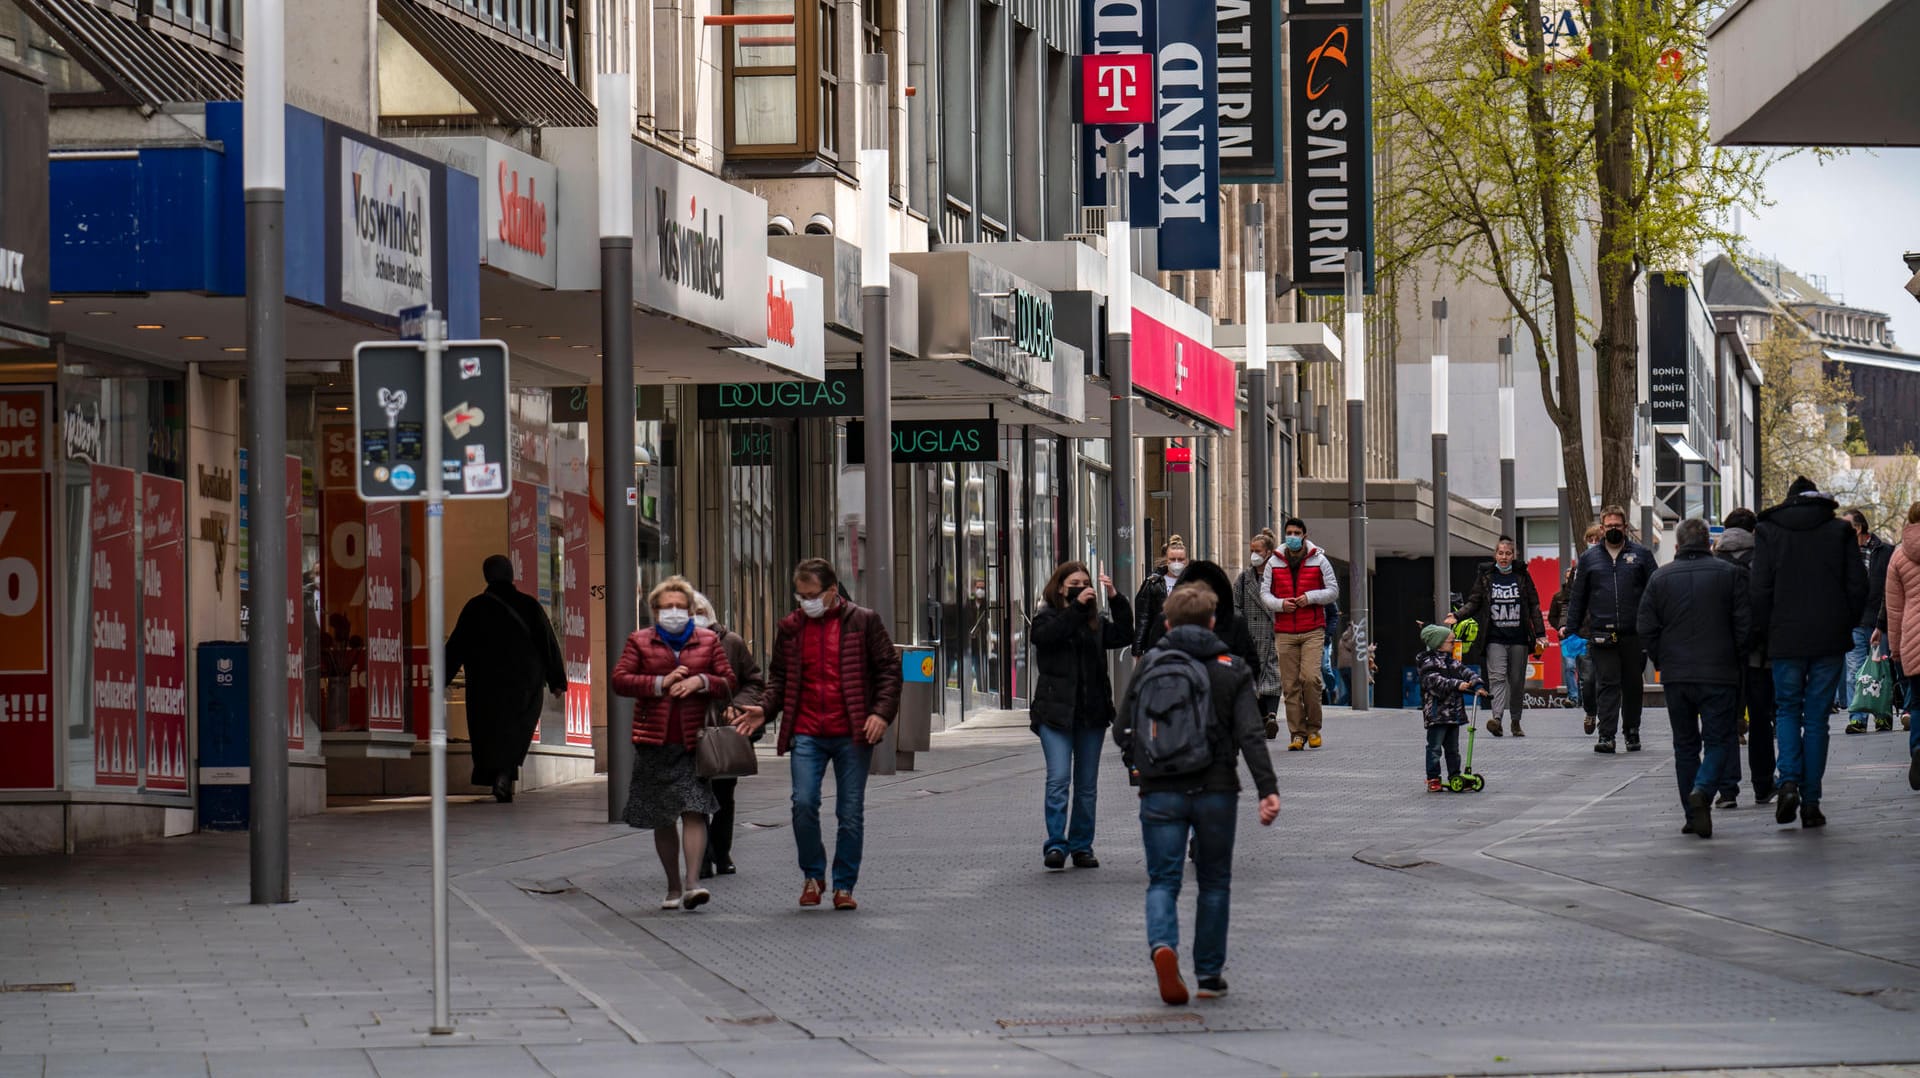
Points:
x=1554 y=923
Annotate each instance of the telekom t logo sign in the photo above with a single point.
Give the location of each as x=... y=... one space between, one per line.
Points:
x=1116 y=88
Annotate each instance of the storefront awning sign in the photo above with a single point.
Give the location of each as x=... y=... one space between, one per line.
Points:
x=796 y=322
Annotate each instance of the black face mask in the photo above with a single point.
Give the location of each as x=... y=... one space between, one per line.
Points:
x=1616 y=536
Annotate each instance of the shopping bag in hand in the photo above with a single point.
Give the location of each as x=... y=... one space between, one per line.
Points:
x=1873 y=688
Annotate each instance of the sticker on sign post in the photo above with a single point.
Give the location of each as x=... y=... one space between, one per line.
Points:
x=633 y=496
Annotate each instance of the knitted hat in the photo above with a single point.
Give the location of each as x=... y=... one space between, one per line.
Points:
x=1435 y=637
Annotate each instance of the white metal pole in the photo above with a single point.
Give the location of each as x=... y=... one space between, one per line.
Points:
x=876 y=279
x=1442 y=518
x=617 y=494
x=1254 y=312
x=1355 y=351
x=1120 y=366
x=1509 y=522
x=435 y=344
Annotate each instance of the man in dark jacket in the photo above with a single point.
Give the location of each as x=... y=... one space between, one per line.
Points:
x=1606 y=600
x=1875 y=555
x=1198 y=808
x=506 y=644
x=836 y=677
x=1809 y=591
x=1695 y=623
x=1756 y=677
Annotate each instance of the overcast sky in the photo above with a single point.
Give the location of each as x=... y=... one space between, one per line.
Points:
x=1850 y=220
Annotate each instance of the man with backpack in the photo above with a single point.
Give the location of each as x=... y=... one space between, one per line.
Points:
x=1189 y=710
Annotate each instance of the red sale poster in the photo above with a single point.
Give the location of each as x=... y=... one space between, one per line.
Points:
x=163 y=630
x=576 y=644
x=27 y=743
x=523 y=535
x=116 y=713
x=386 y=671
x=296 y=619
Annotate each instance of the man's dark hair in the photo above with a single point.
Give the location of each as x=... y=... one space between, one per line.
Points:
x=1295 y=522
x=821 y=570
x=1191 y=604
x=1741 y=518
x=1691 y=532
x=497 y=569
x=1856 y=518
x=1801 y=485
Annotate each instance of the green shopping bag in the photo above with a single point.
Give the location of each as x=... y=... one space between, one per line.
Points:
x=1873 y=687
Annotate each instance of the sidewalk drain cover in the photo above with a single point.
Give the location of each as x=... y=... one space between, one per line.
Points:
x=59 y=986
x=1104 y=1020
x=750 y=1020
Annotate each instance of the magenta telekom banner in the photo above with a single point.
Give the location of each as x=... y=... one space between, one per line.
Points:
x=386 y=666
x=1170 y=362
x=116 y=686
x=163 y=630
x=577 y=641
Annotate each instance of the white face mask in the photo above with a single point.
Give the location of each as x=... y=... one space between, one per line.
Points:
x=673 y=620
x=1258 y=560
x=1175 y=568
x=701 y=621
x=814 y=607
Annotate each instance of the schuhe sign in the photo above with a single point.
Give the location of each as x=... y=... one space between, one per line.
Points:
x=796 y=322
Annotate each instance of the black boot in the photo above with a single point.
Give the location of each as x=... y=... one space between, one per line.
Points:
x=503 y=789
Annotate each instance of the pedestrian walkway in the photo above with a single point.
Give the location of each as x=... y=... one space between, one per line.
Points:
x=1555 y=923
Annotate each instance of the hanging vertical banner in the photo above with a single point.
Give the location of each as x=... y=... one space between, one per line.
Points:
x=1187 y=129
x=1250 y=105
x=343 y=564
x=116 y=688
x=385 y=671
x=543 y=543
x=1330 y=199
x=296 y=615
x=1121 y=28
x=27 y=743
x=523 y=539
x=576 y=643
x=163 y=630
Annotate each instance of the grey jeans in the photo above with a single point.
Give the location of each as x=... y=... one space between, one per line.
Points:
x=1507 y=677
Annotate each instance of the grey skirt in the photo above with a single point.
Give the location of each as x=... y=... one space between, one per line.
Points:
x=664 y=787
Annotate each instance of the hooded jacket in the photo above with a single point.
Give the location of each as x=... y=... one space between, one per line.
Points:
x=1237 y=728
x=1227 y=624
x=1310 y=577
x=1902 y=615
x=1809 y=589
x=1736 y=549
x=1695 y=621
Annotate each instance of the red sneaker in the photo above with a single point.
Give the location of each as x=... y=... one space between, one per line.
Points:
x=1166 y=969
x=810 y=894
x=843 y=900
x=1433 y=787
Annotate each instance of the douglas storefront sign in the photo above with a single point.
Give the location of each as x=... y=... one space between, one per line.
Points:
x=838 y=395
x=940 y=441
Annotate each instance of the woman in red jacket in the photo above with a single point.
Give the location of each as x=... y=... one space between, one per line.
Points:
x=674 y=670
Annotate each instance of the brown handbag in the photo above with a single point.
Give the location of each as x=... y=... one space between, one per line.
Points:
x=723 y=752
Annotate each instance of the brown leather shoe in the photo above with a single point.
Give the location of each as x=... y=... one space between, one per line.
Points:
x=843 y=900
x=810 y=894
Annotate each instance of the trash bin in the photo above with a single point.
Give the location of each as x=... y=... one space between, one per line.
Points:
x=912 y=728
x=225 y=781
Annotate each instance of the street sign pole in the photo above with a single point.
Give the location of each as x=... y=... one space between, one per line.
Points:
x=434 y=336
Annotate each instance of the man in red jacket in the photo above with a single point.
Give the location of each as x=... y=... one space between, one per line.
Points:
x=836 y=677
x=1301 y=586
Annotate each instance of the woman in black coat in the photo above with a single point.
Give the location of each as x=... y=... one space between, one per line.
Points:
x=1073 y=701
x=1227 y=623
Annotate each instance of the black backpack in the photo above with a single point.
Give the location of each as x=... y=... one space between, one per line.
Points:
x=1173 y=711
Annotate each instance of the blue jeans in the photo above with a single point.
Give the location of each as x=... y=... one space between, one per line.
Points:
x=1857 y=658
x=1709 y=714
x=1443 y=740
x=1166 y=821
x=809 y=759
x=1801 y=689
x=1073 y=764
x=1570 y=678
x=1912 y=701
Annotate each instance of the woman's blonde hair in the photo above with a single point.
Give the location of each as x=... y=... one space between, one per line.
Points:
x=673 y=583
x=1265 y=535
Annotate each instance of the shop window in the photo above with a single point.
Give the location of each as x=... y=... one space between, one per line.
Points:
x=213 y=18
x=785 y=80
x=24 y=41
x=538 y=22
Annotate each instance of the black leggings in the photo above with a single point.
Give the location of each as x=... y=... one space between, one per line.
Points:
x=720 y=829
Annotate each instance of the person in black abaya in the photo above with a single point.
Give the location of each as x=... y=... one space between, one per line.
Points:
x=506 y=644
x=1227 y=623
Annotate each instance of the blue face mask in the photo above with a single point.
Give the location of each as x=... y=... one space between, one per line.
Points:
x=1296 y=543
x=1503 y=568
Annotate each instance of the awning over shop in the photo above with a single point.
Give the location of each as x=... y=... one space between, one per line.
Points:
x=1686 y=453
x=1400 y=519
x=1832 y=73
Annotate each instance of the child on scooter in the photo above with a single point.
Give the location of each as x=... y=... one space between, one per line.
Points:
x=1444 y=683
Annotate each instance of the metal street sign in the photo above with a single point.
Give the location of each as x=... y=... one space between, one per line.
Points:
x=390 y=419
